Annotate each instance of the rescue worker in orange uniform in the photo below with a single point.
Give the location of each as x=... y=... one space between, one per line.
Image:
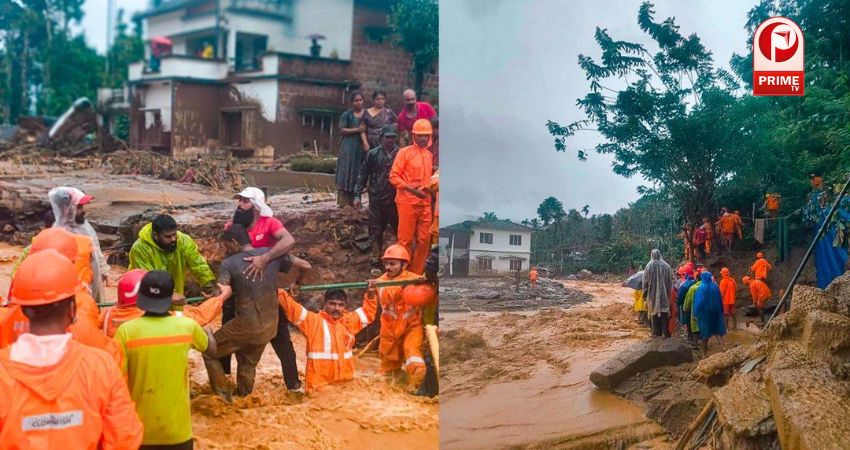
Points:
x=816 y=181
x=126 y=309
x=410 y=174
x=772 y=203
x=58 y=393
x=760 y=293
x=727 y=294
x=761 y=267
x=434 y=189
x=739 y=226
x=532 y=276
x=401 y=334
x=709 y=234
x=330 y=334
x=727 y=226
x=85 y=328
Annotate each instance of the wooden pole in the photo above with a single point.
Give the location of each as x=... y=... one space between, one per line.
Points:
x=696 y=423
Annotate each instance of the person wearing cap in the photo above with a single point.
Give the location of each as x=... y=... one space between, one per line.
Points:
x=739 y=226
x=329 y=334
x=761 y=267
x=760 y=293
x=126 y=308
x=56 y=392
x=161 y=247
x=727 y=294
x=410 y=174
x=401 y=334
x=256 y=317
x=266 y=231
x=375 y=173
x=85 y=328
x=156 y=361
x=69 y=211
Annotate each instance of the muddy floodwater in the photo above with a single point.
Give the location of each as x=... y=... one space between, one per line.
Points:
x=524 y=383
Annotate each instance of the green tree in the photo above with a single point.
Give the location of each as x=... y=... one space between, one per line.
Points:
x=126 y=49
x=676 y=121
x=416 y=24
x=585 y=210
x=489 y=216
x=551 y=210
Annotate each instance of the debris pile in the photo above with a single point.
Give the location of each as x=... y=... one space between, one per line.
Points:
x=506 y=294
x=224 y=175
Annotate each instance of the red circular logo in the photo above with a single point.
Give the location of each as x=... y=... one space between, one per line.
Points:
x=779 y=45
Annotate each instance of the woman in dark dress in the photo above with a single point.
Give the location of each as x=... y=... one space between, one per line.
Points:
x=376 y=117
x=351 y=150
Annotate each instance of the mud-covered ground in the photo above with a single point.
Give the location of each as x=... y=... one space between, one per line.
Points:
x=368 y=412
x=505 y=294
x=520 y=379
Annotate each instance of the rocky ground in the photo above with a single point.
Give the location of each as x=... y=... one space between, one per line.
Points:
x=505 y=294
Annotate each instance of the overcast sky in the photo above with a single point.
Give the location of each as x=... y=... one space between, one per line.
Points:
x=506 y=67
x=94 y=20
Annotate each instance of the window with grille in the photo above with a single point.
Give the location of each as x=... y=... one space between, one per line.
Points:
x=516 y=239
x=516 y=264
x=485 y=264
x=485 y=238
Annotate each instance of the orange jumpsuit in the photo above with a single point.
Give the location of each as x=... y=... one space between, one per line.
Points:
x=329 y=342
x=728 y=225
x=413 y=168
x=434 y=186
x=727 y=293
x=81 y=402
x=760 y=268
x=401 y=332
x=85 y=329
x=739 y=226
x=709 y=237
x=760 y=292
x=112 y=318
x=532 y=277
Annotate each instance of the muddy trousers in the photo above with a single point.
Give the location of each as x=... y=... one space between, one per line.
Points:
x=247 y=358
x=281 y=343
x=660 y=325
x=381 y=217
x=404 y=352
x=414 y=232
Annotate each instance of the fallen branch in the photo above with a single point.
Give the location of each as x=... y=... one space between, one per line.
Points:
x=709 y=407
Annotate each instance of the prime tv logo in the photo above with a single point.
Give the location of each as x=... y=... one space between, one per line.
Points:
x=778 y=58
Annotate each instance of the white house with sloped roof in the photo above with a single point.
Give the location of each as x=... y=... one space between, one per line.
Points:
x=485 y=247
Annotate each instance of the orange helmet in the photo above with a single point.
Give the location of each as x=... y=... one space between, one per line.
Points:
x=759 y=255
x=421 y=294
x=397 y=251
x=128 y=287
x=58 y=239
x=422 y=126
x=45 y=277
x=746 y=280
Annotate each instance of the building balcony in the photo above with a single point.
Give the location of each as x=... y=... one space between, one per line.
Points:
x=181 y=67
x=109 y=99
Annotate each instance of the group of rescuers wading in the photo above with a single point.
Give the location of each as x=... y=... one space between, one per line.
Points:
x=74 y=376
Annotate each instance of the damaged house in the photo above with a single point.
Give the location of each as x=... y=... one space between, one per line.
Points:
x=486 y=247
x=260 y=78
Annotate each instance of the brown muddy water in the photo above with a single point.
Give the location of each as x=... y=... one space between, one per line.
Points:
x=525 y=385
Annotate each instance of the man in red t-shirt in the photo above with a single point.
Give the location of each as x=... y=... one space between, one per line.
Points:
x=411 y=112
x=265 y=230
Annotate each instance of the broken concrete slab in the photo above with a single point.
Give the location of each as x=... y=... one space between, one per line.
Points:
x=640 y=357
x=744 y=407
x=809 y=404
x=826 y=333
